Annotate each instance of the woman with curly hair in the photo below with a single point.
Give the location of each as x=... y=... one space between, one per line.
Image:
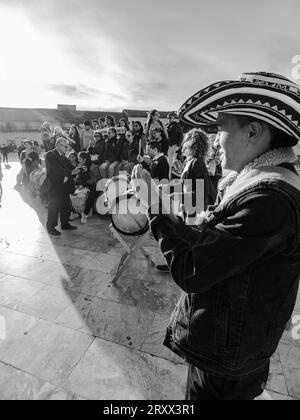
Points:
x=195 y=149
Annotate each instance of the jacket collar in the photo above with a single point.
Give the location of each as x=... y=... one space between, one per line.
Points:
x=264 y=168
x=158 y=156
x=272 y=158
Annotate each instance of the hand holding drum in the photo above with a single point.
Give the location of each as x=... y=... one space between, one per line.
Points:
x=146 y=190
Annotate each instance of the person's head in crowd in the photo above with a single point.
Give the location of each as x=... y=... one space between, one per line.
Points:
x=61 y=145
x=87 y=125
x=84 y=159
x=110 y=121
x=46 y=131
x=158 y=134
x=242 y=138
x=195 y=144
x=137 y=128
x=95 y=124
x=153 y=118
x=112 y=133
x=101 y=122
x=28 y=145
x=129 y=136
x=172 y=117
x=124 y=123
x=73 y=130
x=97 y=136
x=72 y=156
x=153 y=149
x=58 y=131
x=153 y=115
x=46 y=126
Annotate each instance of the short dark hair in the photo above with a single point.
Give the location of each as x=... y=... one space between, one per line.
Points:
x=95 y=121
x=279 y=138
x=87 y=157
x=154 y=145
x=87 y=122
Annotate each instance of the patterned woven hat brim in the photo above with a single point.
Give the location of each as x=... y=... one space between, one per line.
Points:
x=265 y=96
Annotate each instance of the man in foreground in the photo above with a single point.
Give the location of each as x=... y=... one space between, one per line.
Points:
x=239 y=268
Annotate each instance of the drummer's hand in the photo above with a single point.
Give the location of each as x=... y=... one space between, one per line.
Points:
x=139 y=158
x=144 y=187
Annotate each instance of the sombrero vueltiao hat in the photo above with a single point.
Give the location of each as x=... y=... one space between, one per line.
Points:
x=264 y=96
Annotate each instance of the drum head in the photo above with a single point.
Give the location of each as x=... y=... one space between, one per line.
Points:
x=101 y=206
x=116 y=186
x=128 y=216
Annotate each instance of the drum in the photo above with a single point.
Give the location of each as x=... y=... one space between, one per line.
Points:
x=128 y=216
x=116 y=186
x=101 y=205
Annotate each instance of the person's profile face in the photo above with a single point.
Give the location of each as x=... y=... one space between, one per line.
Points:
x=232 y=140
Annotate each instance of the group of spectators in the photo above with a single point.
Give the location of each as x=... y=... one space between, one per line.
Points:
x=77 y=159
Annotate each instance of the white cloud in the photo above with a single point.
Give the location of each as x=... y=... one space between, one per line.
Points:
x=138 y=53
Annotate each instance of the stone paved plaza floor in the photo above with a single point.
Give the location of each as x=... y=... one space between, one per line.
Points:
x=70 y=334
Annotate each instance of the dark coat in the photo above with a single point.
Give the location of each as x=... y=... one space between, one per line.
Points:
x=239 y=271
x=57 y=168
x=175 y=133
x=111 y=150
x=160 y=168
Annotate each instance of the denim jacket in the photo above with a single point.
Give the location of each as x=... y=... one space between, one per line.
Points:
x=239 y=272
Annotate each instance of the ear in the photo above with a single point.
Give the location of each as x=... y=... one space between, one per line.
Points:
x=255 y=131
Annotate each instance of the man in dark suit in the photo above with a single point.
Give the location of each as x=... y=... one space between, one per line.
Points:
x=60 y=186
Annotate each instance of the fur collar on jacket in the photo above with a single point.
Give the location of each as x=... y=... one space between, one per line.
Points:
x=272 y=158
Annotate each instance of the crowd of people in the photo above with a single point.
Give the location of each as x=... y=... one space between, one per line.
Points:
x=75 y=160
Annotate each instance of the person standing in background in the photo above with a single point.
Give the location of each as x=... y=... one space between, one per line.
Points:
x=75 y=136
x=175 y=131
x=109 y=121
x=47 y=142
x=152 y=123
x=87 y=135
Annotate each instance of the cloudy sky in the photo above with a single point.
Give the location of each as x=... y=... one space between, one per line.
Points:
x=137 y=54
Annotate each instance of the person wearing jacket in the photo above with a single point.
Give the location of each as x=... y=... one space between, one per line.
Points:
x=174 y=130
x=97 y=147
x=130 y=151
x=239 y=267
x=61 y=185
x=110 y=154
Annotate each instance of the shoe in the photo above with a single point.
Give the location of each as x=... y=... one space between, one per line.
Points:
x=53 y=232
x=69 y=227
x=163 y=268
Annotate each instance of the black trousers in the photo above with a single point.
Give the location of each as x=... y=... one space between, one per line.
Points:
x=58 y=205
x=206 y=387
x=93 y=195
